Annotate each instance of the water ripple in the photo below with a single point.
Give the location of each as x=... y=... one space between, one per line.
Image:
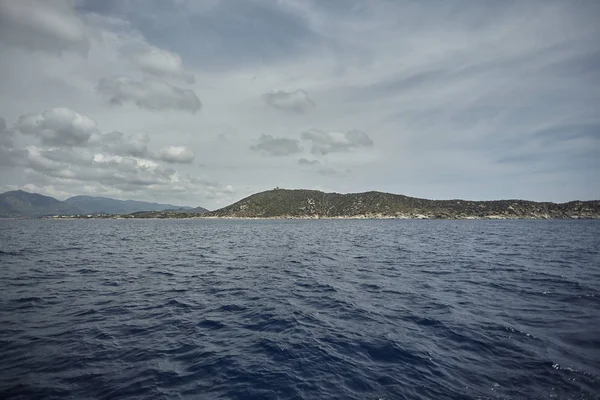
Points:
x=299 y=309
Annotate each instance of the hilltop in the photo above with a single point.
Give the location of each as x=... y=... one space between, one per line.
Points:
x=282 y=203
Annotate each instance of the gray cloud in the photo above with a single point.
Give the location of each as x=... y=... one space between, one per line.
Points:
x=58 y=127
x=304 y=161
x=220 y=34
x=42 y=25
x=13 y=157
x=124 y=145
x=332 y=142
x=296 y=101
x=47 y=162
x=5 y=134
x=277 y=146
x=62 y=156
x=151 y=94
x=9 y=156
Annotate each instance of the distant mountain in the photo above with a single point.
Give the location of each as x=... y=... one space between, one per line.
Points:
x=104 y=205
x=281 y=203
x=19 y=203
x=198 y=210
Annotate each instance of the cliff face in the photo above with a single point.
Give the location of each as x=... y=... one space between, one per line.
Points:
x=280 y=203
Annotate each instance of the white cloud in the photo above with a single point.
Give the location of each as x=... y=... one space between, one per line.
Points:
x=175 y=154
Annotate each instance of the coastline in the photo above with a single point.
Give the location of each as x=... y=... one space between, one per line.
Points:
x=307 y=218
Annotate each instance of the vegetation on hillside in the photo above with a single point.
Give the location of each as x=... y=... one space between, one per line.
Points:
x=316 y=204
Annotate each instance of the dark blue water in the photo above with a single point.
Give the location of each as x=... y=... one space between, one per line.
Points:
x=299 y=309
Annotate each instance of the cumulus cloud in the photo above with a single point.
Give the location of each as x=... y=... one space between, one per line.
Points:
x=106 y=169
x=63 y=129
x=75 y=168
x=304 y=161
x=175 y=154
x=151 y=94
x=296 y=101
x=58 y=126
x=332 y=142
x=47 y=25
x=277 y=146
x=136 y=145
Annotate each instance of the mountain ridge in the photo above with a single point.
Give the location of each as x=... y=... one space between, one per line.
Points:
x=107 y=205
x=19 y=203
x=22 y=204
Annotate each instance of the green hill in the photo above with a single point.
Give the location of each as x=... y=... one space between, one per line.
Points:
x=281 y=203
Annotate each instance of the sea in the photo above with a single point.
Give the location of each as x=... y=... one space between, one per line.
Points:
x=299 y=309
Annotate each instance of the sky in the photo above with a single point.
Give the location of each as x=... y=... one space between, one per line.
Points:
x=202 y=103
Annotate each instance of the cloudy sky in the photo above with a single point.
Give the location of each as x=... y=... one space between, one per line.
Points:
x=205 y=102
